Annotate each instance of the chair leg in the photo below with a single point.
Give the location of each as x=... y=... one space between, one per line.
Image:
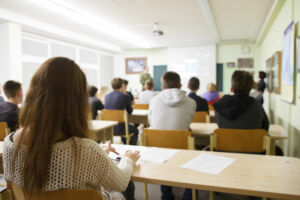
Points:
x=264 y=198
x=211 y=195
x=128 y=140
x=145 y=191
x=194 y=194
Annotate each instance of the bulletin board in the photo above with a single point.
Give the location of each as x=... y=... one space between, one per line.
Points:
x=288 y=66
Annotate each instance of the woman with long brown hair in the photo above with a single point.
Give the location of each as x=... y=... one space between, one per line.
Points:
x=51 y=150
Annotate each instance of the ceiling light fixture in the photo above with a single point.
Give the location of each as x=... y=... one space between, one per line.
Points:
x=73 y=13
x=156 y=31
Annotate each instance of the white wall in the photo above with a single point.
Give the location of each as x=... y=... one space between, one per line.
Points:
x=205 y=57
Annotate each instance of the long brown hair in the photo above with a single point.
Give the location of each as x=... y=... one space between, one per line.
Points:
x=56 y=102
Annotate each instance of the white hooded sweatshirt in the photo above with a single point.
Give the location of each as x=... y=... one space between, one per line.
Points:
x=171 y=110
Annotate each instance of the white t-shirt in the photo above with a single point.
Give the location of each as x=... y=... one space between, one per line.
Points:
x=145 y=96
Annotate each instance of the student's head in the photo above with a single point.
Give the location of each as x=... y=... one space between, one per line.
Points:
x=125 y=85
x=149 y=85
x=194 y=84
x=262 y=75
x=92 y=90
x=211 y=87
x=13 y=91
x=56 y=108
x=171 y=80
x=117 y=83
x=241 y=82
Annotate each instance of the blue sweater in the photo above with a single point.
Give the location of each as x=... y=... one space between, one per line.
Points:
x=116 y=100
x=200 y=102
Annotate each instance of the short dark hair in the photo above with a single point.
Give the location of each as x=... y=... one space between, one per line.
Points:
x=92 y=90
x=194 y=83
x=125 y=82
x=117 y=83
x=11 y=88
x=262 y=74
x=149 y=84
x=241 y=82
x=171 y=80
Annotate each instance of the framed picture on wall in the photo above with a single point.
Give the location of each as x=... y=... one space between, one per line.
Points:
x=276 y=72
x=245 y=63
x=231 y=64
x=135 y=65
x=269 y=74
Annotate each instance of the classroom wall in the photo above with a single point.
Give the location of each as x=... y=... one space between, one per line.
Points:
x=230 y=53
x=280 y=112
x=156 y=56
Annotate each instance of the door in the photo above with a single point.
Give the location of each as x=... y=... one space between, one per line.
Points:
x=220 y=77
x=158 y=71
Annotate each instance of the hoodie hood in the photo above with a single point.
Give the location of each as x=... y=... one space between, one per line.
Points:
x=232 y=106
x=173 y=97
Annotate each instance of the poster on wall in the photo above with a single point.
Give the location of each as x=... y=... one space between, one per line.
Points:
x=269 y=74
x=298 y=54
x=276 y=72
x=288 y=67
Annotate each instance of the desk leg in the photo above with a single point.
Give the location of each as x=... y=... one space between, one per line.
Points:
x=193 y=194
x=273 y=146
x=211 y=195
x=145 y=191
x=112 y=134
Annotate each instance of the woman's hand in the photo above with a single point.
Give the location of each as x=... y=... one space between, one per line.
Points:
x=133 y=155
x=109 y=148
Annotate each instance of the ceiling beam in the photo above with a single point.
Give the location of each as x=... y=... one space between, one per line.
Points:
x=204 y=4
x=276 y=7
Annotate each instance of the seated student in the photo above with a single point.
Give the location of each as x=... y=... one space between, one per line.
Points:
x=51 y=151
x=212 y=95
x=1 y=97
x=117 y=100
x=95 y=103
x=240 y=111
x=201 y=104
x=256 y=94
x=171 y=110
x=125 y=86
x=9 y=110
x=148 y=93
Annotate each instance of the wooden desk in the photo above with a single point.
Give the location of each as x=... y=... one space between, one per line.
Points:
x=104 y=130
x=276 y=132
x=139 y=117
x=255 y=175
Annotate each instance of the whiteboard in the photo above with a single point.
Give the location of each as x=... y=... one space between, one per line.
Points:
x=197 y=61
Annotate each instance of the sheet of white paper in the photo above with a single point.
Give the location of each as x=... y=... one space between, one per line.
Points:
x=157 y=155
x=150 y=155
x=208 y=163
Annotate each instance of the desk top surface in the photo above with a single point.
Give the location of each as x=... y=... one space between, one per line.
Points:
x=258 y=175
x=276 y=131
x=99 y=125
x=140 y=112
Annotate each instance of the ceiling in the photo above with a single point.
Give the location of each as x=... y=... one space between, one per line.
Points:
x=122 y=24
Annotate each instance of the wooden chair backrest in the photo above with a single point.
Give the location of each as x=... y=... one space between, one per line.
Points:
x=3 y=130
x=141 y=106
x=66 y=194
x=201 y=116
x=177 y=139
x=240 y=140
x=210 y=107
x=114 y=115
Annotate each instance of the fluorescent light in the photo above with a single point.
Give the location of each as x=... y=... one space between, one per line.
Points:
x=78 y=15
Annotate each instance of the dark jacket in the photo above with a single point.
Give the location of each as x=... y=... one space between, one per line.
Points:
x=261 y=86
x=96 y=105
x=201 y=104
x=240 y=112
x=9 y=113
x=116 y=100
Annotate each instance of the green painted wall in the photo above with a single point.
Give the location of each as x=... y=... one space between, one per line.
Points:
x=285 y=114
